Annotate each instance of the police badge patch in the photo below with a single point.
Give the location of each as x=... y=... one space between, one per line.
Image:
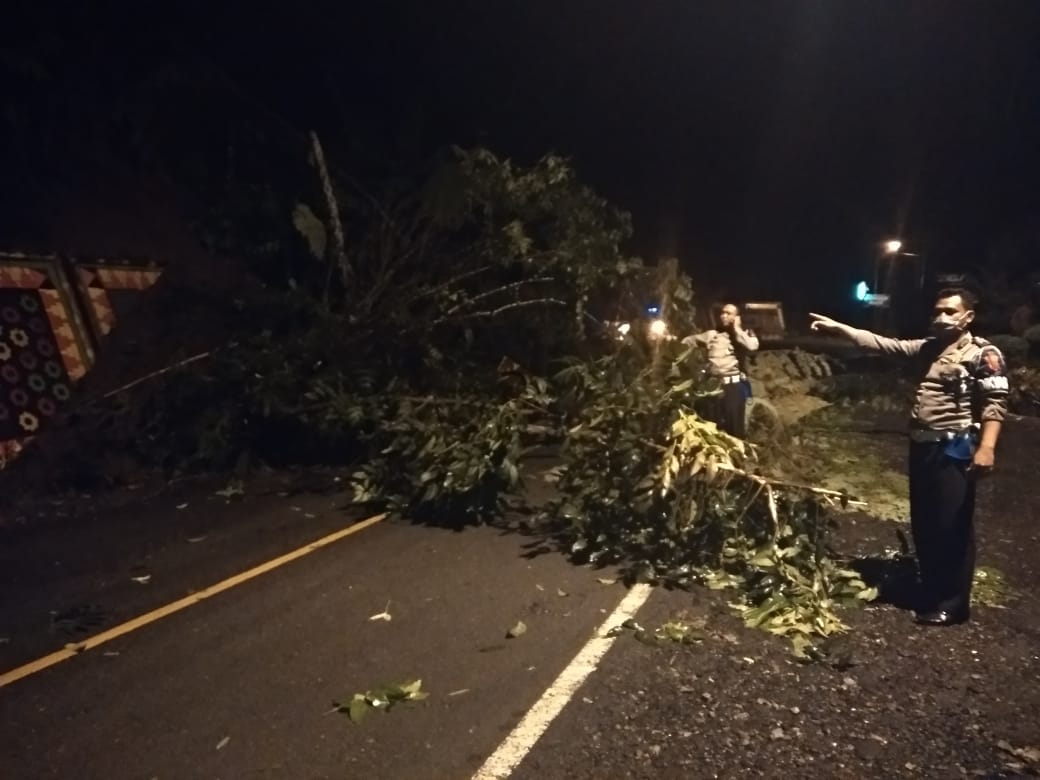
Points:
x=991 y=362
x=991 y=369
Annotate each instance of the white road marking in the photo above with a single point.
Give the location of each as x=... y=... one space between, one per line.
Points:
x=529 y=730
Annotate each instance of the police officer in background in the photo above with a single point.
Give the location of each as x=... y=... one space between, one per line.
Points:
x=960 y=405
x=727 y=362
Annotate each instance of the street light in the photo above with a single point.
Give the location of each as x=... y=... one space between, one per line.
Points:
x=892 y=249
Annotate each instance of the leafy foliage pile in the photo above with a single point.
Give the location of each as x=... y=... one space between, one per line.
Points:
x=1024 y=389
x=648 y=484
x=448 y=460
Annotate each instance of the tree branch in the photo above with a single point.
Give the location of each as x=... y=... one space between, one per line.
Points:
x=340 y=251
x=491 y=293
x=501 y=310
x=454 y=280
x=771 y=483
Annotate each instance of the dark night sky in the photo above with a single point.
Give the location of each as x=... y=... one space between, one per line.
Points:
x=780 y=138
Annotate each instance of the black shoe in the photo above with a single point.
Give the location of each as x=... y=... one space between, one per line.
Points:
x=941 y=617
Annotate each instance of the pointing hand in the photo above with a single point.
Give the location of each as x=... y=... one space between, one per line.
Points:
x=820 y=322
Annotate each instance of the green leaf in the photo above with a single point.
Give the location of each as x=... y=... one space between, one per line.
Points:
x=358 y=709
x=411 y=688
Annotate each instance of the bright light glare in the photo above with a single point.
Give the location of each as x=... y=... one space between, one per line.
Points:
x=658 y=328
x=862 y=291
x=892 y=247
x=624 y=328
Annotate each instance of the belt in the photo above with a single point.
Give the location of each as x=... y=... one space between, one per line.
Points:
x=927 y=436
x=732 y=380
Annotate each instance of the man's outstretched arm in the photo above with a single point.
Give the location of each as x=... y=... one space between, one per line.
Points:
x=867 y=339
x=701 y=338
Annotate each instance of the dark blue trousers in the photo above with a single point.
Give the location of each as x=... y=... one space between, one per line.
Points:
x=942 y=510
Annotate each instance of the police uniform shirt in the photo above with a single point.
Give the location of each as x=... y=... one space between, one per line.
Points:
x=965 y=382
x=722 y=354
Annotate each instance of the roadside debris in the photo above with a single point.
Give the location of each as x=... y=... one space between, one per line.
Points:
x=382 y=699
x=990 y=588
x=516 y=631
x=678 y=631
x=233 y=489
x=384 y=615
x=1029 y=755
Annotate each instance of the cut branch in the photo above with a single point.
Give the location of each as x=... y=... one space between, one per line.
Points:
x=772 y=483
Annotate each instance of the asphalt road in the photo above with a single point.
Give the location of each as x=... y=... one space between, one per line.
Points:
x=241 y=685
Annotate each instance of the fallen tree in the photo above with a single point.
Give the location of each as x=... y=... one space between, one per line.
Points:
x=433 y=329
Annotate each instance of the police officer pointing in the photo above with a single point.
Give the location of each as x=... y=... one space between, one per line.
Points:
x=727 y=350
x=960 y=404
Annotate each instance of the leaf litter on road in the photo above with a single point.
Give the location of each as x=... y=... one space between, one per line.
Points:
x=678 y=631
x=383 y=699
x=517 y=631
x=233 y=489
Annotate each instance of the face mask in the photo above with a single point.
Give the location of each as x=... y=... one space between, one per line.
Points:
x=944 y=325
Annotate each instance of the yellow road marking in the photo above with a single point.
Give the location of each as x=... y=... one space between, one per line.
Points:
x=76 y=648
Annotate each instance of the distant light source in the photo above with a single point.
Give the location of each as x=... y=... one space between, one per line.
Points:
x=892 y=247
x=624 y=328
x=861 y=291
x=653 y=309
x=658 y=328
